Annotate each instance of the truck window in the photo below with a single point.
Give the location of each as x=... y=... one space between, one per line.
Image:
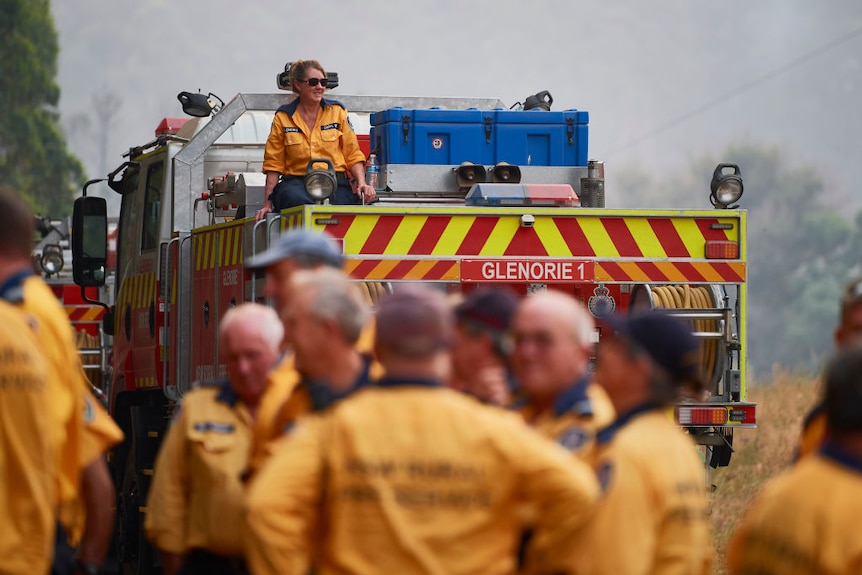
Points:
x=152 y=203
x=126 y=236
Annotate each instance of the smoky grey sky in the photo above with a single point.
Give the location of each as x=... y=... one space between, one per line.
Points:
x=664 y=81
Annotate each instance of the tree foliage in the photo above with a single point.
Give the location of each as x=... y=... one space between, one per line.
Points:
x=801 y=251
x=34 y=159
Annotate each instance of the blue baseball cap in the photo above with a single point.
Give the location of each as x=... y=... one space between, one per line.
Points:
x=668 y=341
x=490 y=308
x=315 y=246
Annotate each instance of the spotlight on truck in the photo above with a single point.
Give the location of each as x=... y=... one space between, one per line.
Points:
x=320 y=183
x=726 y=186
x=200 y=105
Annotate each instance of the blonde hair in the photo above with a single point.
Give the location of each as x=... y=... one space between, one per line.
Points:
x=299 y=70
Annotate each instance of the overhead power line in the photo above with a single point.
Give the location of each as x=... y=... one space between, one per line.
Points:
x=672 y=123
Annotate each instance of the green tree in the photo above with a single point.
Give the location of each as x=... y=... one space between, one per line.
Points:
x=34 y=159
x=801 y=251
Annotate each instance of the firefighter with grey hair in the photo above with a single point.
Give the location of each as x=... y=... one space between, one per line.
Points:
x=407 y=476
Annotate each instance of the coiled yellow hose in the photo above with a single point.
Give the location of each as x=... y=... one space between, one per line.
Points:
x=687 y=297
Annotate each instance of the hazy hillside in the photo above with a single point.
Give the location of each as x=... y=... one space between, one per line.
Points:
x=665 y=81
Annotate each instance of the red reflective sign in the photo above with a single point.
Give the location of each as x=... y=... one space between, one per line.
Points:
x=528 y=271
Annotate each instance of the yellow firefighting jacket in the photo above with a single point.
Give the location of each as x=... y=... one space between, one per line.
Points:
x=100 y=434
x=280 y=406
x=406 y=477
x=653 y=518
x=87 y=436
x=575 y=418
x=291 y=144
x=805 y=521
x=281 y=382
x=28 y=453
x=66 y=377
x=195 y=500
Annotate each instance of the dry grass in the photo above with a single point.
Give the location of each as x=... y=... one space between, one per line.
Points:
x=761 y=453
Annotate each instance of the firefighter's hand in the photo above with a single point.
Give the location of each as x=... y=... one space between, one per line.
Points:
x=261 y=213
x=366 y=191
x=491 y=386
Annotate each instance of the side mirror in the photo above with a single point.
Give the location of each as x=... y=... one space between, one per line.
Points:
x=89 y=241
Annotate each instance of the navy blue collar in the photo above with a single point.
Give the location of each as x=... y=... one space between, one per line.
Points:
x=290 y=108
x=12 y=289
x=605 y=435
x=387 y=381
x=833 y=451
x=323 y=396
x=226 y=393
x=815 y=412
x=574 y=399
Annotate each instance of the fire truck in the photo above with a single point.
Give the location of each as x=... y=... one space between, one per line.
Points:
x=85 y=307
x=471 y=194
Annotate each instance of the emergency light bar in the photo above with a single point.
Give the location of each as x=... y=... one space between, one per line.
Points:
x=500 y=195
x=170 y=126
x=706 y=415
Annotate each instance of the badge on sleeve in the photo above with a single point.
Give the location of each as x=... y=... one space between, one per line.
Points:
x=604 y=474
x=89 y=411
x=573 y=438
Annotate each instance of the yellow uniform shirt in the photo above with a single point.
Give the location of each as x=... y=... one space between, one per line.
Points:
x=406 y=477
x=28 y=454
x=575 y=417
x=291 y=143
x=653 y=518
x=813 y=432
x=281 y=382
x=195 y=500
x=805 y=521
x=100 y=434
x=279 y=406
x=66 y=376
x=84 y=428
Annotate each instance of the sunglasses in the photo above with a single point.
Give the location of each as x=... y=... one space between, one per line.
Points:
x=315 y=81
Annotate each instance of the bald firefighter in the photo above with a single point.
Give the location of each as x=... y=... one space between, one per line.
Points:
x=653 y=516
x=194 y=509
x=552 y=334
x=86 y=431
x=407 y=476
x=807 y=520
x=28 y=452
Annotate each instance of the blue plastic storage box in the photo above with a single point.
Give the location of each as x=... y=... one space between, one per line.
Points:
x=433 y=136
x=541 y=138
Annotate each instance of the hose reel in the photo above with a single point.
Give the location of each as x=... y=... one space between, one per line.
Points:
x=702 y=306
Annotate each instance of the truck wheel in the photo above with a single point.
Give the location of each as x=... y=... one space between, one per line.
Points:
x=135 y=554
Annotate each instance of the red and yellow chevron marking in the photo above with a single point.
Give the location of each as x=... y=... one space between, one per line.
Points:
x=138 y=291
x=146 y=381
x=498 y=233
x=219 y=246
x=671 y=272
x=85 y=313
x=291 y=221
x=605 y=271
x=396 y=269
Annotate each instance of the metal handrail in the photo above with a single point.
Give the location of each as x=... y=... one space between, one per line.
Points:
x=166 y=314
